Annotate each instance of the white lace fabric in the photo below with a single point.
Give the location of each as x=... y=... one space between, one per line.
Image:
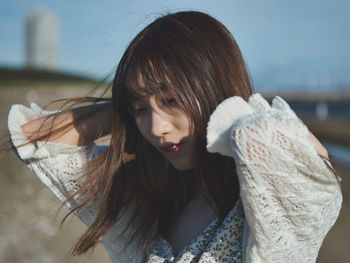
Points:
x=59 y=167
x=290 y=198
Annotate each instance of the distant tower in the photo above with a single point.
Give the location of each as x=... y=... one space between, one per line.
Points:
x=41 y=31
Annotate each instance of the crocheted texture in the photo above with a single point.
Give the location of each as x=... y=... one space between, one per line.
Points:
x=60 y=167
x=290 y=198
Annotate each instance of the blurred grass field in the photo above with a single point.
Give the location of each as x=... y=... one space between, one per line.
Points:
x=29 y=220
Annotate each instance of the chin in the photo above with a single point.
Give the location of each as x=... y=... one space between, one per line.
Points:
x=182 y=166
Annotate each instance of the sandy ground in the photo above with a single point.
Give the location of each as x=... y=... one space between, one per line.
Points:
x=29 y=218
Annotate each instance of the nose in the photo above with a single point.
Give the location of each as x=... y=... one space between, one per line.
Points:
x=161 y=124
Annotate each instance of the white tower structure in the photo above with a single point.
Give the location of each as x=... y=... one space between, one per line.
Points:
x=41 y=31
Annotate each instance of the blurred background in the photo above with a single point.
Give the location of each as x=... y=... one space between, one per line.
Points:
x=56 y=49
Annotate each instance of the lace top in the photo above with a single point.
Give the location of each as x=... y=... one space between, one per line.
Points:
x=289 y=196
x=216 y=243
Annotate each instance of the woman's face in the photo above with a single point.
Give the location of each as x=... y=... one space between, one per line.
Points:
x=168 y=129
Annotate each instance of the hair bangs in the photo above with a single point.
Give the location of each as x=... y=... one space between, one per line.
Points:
x=153 y=70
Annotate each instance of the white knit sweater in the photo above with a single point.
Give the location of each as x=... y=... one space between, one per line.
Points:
x=290 y=198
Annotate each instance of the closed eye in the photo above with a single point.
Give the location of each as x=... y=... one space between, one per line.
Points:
x=138 y=110
x=170 y=101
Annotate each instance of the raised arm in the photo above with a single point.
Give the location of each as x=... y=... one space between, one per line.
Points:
x=290 y=197
x=78 y=126
x=60 y=163
x=57 y=146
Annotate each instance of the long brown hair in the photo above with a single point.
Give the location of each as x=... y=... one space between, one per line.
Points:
x=195 y=58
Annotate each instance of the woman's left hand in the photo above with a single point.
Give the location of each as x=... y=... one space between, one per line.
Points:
x=321 y=150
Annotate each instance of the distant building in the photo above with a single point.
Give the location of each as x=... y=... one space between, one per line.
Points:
x=41 y=36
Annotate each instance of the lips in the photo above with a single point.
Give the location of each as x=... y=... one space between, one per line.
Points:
x=171 y=148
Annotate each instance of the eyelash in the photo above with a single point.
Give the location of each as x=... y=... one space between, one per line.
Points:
x=137 y=111
x=170 y=101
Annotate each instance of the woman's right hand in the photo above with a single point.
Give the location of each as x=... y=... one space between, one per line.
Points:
x=77 y=126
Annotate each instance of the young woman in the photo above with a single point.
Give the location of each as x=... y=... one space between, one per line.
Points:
x=198 y=169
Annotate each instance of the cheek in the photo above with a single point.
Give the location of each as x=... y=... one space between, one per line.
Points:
x=185 y=124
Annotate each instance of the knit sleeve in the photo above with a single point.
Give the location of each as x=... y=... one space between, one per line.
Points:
x=291 y=198
x=58 y=166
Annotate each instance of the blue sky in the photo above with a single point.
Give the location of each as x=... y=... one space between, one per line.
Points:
x=287 y=44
